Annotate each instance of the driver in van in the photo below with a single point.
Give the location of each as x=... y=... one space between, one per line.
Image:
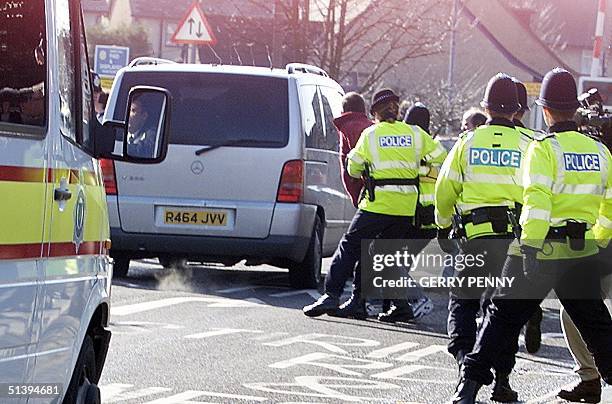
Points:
x=141 y=130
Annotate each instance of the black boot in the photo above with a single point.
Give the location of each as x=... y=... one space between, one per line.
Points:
x=588 y=391
x=533 y=333
x=399 y=311
x=460 y=357
x=324 y=305
x=502 y=392
x=352 y=308
x=466 y=392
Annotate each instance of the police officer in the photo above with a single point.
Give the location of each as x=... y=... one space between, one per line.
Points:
x=567 y=207
x=425 y=227
x=392 y=150
x=533 y=332
x=480 y=183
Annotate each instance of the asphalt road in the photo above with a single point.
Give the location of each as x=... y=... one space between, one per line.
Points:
x=210 y=334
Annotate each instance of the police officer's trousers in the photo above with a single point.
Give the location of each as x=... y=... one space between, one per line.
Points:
x=577 y=284
x=466 y=302
x=365 y=225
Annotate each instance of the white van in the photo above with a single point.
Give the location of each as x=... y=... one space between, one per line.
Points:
x=54 y=268
x=253 y=170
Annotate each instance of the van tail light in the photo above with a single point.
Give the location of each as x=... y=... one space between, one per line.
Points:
x=108 y=175
x=291 y=188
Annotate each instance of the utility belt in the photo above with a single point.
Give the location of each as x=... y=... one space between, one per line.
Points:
x=371 y=183
x=500 y=217
x=424 y=216
x=574 y=231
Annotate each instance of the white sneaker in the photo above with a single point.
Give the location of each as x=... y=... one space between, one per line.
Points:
x=422 y=307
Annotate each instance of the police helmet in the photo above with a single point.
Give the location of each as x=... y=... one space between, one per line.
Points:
x=383 y=96
x=521 y=91
x=559 y=91
x=501 y=95
x=418 y=114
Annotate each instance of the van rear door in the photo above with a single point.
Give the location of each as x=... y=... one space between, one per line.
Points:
x=228 y=139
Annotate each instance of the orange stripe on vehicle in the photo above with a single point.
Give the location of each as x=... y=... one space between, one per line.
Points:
x=53 y=175
x=22 y=174
x=31 y=251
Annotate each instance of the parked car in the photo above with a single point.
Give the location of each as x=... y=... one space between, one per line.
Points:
x=252 y=170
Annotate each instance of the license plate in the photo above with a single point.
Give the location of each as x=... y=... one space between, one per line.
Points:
x=196 y=217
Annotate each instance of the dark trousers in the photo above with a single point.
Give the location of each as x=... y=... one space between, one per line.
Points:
x=465 y=303
x=365 y=225
x=576 y=283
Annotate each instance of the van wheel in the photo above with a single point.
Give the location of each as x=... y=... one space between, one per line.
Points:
x=121 y=267
x=82 y=388
x=173 y=262
x=307 y=274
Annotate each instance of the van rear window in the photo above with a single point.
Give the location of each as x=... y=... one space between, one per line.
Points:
x=217 y=108
x=23 y=65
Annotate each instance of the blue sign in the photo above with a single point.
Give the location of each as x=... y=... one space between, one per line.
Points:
x=109 y=59
x=581 y=162
x=395 y=141
x=495 y=157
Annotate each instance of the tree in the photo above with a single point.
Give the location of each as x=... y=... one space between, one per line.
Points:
x=134 y=36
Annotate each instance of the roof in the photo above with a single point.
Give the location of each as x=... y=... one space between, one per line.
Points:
x=575 y=25
x=96 y=6
x=516 y=41
x=175 y=9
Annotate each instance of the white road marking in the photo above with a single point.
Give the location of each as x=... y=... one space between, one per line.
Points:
x=312 y=292
x=385 y=352
x=340 y=364
x=421 y=353
x=109 y=391
x=158 y=304
x=270 y=336
x=188 y=395
x=131 y=395
x=330 y=342
x=218 y=332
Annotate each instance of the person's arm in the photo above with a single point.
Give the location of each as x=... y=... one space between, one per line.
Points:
x=359 y=155
x=449 y=186
x=538 y=179
x=603 y=227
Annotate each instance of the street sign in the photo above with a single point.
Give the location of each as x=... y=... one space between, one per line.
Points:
x=533 y=88
x=109 y=59
x=194 y=29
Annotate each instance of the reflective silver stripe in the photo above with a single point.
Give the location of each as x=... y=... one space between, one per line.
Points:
x=466 y=207
x=608 y=193
x=438 y=151
x=454 y=176
x=444 y=222
x=469 y=140
x=604 y=164
x=373 y=147
x=401 y=164
x=560 y=162
x=424 y=170
x=605 y=222
x=578 y=189
x=426 y=197
x=491 y=179
x=539 y=214
x=405 y=189
x=540 y=180
x=418 y=142
x=355 y=157
x=524 y=142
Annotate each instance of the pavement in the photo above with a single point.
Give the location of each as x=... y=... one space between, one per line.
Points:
x=210 y=334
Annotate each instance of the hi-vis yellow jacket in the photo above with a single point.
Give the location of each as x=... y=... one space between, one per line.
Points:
x=568 y=176
x=393 y=151
x=484 y=168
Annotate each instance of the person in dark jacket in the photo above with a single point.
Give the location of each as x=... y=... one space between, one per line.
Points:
x=350 y=124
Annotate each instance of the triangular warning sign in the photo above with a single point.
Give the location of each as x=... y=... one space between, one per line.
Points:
x=194 y=28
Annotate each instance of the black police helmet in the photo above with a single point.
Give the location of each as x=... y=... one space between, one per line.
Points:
x=383 y=96
x=418 y=114
x=559 y=91
x=501 y=95
x=521 y=91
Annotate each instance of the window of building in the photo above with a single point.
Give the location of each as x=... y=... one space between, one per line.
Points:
x=23 y=68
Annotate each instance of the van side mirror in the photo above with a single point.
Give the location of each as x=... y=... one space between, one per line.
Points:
x=143 y=136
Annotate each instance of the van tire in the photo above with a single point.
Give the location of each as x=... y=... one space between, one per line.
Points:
x=81 y=389
x=121 y=267
x=307 y=274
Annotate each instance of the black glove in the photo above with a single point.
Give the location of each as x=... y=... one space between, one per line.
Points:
x=447 y=245
x=530 y=261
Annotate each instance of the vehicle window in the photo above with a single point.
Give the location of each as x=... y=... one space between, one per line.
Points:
x=67 y=91
x=311 y=115
x=23 y=67
x=86 y=88
x=217 y=108
x=331 y=101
